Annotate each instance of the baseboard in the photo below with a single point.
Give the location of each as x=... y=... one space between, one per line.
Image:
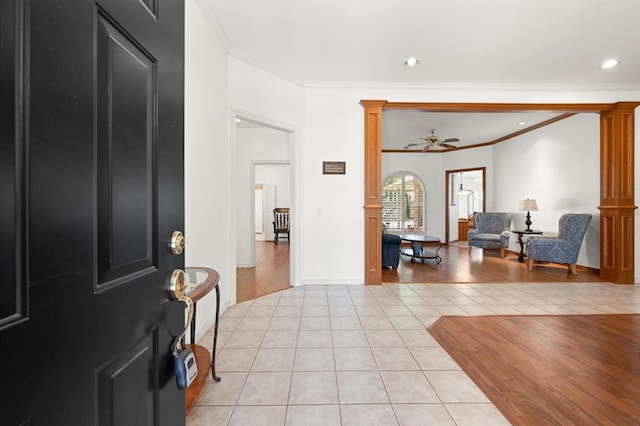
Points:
x=588 y=268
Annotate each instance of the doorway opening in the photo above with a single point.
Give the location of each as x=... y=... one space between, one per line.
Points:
x=616 y=171
x=272 y=191
x=465 y=195
x=263 y=183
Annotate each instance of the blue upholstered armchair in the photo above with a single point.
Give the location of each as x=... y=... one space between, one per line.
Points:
x=561 y=249
x=390 y=250
x=492 y=231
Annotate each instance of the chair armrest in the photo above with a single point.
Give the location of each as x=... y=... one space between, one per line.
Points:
x=391 y=239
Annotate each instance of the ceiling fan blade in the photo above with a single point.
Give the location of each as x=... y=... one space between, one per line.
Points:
x=451 y=140
x=413 y=144
x=446 y=145
x=427 y=147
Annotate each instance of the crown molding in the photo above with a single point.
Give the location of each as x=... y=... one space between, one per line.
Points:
x=553 y=87
x=210 y=17
x=242 y=56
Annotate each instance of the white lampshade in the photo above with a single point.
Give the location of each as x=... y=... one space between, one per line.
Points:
x=528 y=205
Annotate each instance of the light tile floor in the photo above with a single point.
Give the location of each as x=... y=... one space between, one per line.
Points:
x=361 y=355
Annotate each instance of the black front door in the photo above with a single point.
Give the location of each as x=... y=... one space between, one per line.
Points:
x=91 y=189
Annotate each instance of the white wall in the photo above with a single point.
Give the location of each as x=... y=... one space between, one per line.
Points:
x=264 y=97
x=255 y=146
x=332 y=249
x=559 y=167
x=206 y=158
x=278 y=175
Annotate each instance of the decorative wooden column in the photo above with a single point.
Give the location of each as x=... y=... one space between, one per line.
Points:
x=617 y=193
x=373 y=191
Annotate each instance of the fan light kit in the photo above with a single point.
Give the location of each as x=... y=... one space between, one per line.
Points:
x=433 y=140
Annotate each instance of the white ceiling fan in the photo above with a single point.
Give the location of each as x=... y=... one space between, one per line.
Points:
x=433 y=140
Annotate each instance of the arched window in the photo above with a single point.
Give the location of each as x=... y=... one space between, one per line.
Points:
x=403 y=203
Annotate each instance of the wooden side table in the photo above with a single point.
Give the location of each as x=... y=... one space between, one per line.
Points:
x=201 y=281
x=463 y=229
x=520 y=233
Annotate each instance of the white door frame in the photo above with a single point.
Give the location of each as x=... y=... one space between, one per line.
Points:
x=295 y=188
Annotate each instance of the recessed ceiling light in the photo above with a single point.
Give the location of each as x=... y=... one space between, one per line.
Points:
x=238 y=120
x=609 y=63
x=411 y=62
x=522 y=123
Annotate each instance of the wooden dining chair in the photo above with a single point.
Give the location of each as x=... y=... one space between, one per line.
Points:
x=280 y=223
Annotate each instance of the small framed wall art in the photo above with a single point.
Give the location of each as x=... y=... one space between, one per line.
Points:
x=334 y=167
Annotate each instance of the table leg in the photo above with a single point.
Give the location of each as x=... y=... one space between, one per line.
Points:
x=438 y=258
x=193 y=325
x=417 y=252
x=215 y=337
x=521 y=254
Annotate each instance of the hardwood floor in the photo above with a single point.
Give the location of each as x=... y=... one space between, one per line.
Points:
x=564 y=370
x=270 y=274
x=459 y=267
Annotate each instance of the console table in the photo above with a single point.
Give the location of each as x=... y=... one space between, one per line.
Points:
x=520 y=233
x=201 y=281
x=417 y=247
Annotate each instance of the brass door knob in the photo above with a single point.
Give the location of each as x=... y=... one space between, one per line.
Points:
x=177 y=288
x=177 y=285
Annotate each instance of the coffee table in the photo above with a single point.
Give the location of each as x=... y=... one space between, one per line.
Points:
x=417 y=250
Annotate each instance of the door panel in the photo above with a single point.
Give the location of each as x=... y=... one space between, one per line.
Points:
x=13 y=301
x=127 y=127
x=126 y=378
x=91 y=185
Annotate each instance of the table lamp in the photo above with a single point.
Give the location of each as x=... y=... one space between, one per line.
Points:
x=528 y=205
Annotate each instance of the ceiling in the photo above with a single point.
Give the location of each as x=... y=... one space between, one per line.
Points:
x=540 y=42
x=402 y=127
x=458 y=43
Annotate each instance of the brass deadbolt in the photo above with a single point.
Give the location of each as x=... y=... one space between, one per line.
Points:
x=177 y=242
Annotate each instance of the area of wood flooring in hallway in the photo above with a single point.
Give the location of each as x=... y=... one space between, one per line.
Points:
x=271 y=272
